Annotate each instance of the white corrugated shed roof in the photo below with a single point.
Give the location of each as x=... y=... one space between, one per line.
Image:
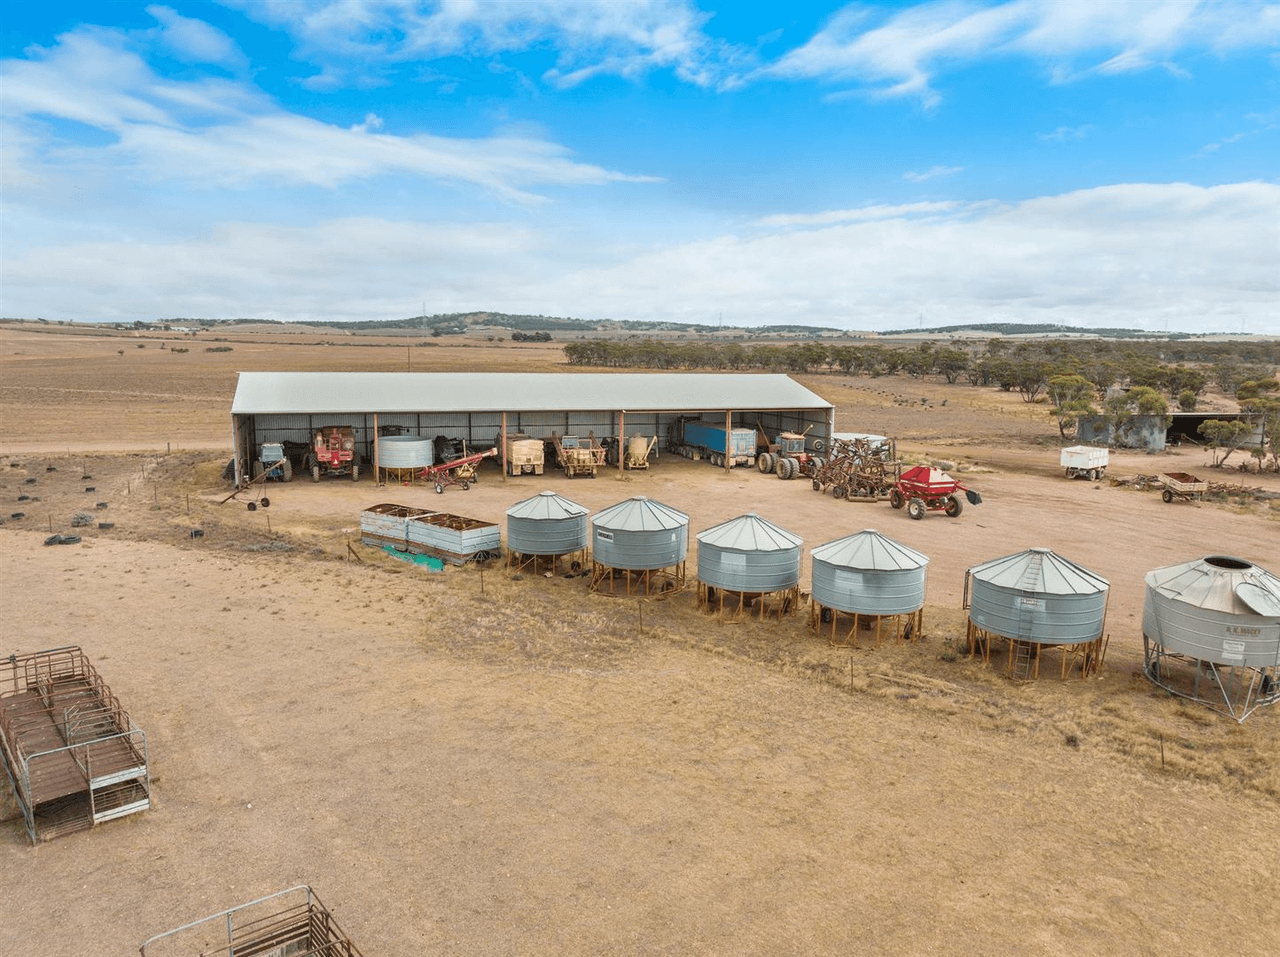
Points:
x=546 y=506
x=640 y=514
x=749 y=533
x=353 y=393
x=1218 y=583
x=869 y=550
x=1040 y=571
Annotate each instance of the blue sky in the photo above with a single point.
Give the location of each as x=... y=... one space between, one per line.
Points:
x=865 y=166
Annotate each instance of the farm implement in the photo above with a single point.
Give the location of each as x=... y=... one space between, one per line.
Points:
x=924 y=489
x=857 y=471
x=461 y=472
x=1182 y=486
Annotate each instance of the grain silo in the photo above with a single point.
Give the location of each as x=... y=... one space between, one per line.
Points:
x=1037 y=599
x=545 y=528
x=748 y=561
x=867 y=581
x=1211 y=632
x=638 y=546
x=402 y=457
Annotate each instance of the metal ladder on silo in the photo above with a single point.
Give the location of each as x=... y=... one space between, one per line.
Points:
x=1024 y=662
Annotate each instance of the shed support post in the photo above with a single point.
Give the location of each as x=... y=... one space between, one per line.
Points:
x=622 y=441
x=377 y=448
x=236 y=452
x=502 y=452
x=728 y=441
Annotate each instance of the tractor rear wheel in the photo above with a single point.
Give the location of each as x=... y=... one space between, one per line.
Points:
x=287 y=471
x=895 y=498
x=954 y=506
x=764 y=462
x=355 y=472
x=315 y=473
x=780 y=467
x=915 y=508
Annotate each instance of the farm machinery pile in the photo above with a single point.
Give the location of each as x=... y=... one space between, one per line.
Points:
x=858 y=470
x=786 y=456
x=578 y=456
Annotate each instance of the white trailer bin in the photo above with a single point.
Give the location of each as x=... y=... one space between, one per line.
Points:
x=1085 y=461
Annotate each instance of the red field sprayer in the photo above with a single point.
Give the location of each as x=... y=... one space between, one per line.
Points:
x=458 y=472
x=923 y=489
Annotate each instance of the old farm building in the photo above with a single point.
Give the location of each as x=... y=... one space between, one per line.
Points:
x=477 y=407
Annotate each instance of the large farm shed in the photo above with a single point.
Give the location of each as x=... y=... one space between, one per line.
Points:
x=479 y=406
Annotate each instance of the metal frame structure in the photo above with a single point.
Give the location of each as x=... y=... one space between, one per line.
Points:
x=288 y=923
x=613 y=580
x=743 y=604
x=72 y=755
x=904 y=627
x=1233 y=690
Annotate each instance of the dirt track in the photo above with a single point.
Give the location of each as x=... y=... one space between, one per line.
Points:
x=520 y=770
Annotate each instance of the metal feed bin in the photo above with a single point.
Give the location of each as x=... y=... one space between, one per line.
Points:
x=1211 y=632
x=546 y=526
x=401 y=457
x=869 y=577
x=638 y=545
x=749 y=561
x=1037 y=599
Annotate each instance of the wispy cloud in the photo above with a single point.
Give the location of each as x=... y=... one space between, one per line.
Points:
x=861 y=215
x=912 y=176
x=1065 y=134
x=886 y=52
x=352 y=40
x=224 y=133
x=1258 y=123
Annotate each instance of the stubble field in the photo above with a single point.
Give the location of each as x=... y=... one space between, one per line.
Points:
x=470 y=763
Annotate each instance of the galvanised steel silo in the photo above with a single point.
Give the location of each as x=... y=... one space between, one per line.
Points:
x=405 y=452
x=545 y=525
x=749 y=554
x=872 y=579
x=1211 y=632
x=868 y=574
x=1037 y=598
x=639 y=535
x=748 y=558
x=1037 y=595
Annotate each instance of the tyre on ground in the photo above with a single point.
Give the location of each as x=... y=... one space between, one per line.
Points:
x=915 y=508
x=895 y=498
x=954 y=506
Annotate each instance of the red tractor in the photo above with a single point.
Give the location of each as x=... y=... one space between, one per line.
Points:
x=923 y=489
x=333 y=452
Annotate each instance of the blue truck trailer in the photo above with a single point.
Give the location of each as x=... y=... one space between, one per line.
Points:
x=695 y=439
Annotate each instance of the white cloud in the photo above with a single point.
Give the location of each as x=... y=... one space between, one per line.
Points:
x=899 y=53
x=933 y=172
x=1141 y=255
x=353 y=40
x=1064 y=134
x=224 y=133
x=195 y=41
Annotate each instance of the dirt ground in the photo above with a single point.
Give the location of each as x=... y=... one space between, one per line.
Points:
x=468 y=762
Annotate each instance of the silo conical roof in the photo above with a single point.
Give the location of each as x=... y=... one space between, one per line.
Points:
x=1042 y=571
x=546 y=506
x=640 y=514
x=1219 y=583
x=869 y=550
x=749 y=533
